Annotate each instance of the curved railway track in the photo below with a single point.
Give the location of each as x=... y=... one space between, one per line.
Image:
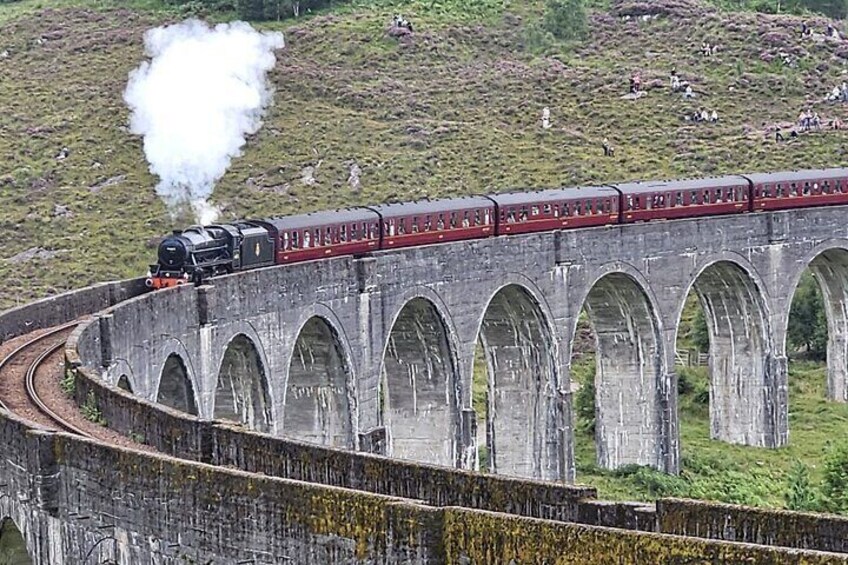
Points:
x=31 y=355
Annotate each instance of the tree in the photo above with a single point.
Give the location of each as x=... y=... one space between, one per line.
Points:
x=807 y=328
x=835 y=484
x=566 y=19
x=800 y=494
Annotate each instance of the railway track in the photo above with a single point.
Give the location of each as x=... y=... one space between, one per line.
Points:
x=19 y=371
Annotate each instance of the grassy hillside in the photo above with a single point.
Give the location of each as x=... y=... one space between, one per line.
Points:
x=453 y=109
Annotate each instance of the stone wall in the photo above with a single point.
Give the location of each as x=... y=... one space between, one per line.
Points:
x=483 y=537
x=221 y=443
x=62 y=308
x=824 y=532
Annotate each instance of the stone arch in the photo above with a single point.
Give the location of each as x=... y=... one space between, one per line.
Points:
x=521 y=359
x=319 y=396
x=828 y=264
x=124 y=383
x=745 y=377
x=241 y=392
x=420 y=385
x=13 y=548
x=629 y=370
x=175 y=388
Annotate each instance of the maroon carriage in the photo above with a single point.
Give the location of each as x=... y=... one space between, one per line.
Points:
x=436 y=221
x=524 y=212
x=643 y=201
x=799 y=189
x=326 y=234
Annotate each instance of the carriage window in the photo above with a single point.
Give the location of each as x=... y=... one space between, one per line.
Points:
x=427 y=223
x=566 y=209
x=390 y=227
x=678 y=199
x=466 y=221
x=486 y=218
x=440 y=224
x=815 y=189
x=587 y=207
x=779 y=191
x=510 y=217
x=629 y=202
x=286 y=240
x=306 y=239
x=317 y=242
x=766 y=191
x=343 y=233
x=331 y=236
x=295 y=240
x=547 y=209
x=453 y=220
x=477 y=217
x=556 y=210
x=523 y=215
x=806 y=189
x=577 y=209
x=414 y=224
x=842 y=186
x=374 y=231
x=794 y=189
x=826 y=187
x=534 y=210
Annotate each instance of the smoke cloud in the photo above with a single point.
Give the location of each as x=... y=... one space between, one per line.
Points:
x=202 y=91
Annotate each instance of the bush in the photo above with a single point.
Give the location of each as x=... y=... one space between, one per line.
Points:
x=835 y=482
x=566 y=19
x=800 y=494
x=584 y=400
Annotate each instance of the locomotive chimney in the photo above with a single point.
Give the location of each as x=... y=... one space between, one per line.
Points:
x=178 y=232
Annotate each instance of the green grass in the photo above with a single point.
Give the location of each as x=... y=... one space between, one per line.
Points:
x=730 y=473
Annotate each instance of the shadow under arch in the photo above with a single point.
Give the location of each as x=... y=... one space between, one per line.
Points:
x=241 y=392
x=743 y=373
x=419 y=387
x=319 y=397
x=13 y=548
x=124 y=383
x=175 y=389
x=629 y=370
x=521 y=389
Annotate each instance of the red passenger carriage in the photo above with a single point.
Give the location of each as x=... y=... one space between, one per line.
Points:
x=523 y=212
x=436 y=221
x=326 y=234
x=644 y=201
x=799 y=189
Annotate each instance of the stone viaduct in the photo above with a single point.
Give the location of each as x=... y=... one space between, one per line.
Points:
x=377 y=353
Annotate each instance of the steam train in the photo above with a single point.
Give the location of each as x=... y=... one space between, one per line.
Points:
x=200 y=252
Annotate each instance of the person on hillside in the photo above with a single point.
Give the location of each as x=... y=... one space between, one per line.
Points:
x=835 y=94
x=778 y=136
x=675 y=81
x=635 y=83
x=714 y=116
x=688 y=92
x=609 y=151
x=816 y=121
x=835 y=123
x=705 y=115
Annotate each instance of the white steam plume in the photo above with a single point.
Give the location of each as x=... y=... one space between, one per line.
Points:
x=194 y=102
